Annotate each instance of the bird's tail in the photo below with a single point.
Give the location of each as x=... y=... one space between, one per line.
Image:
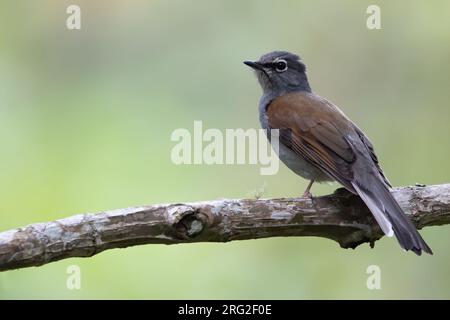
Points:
x=389 y=215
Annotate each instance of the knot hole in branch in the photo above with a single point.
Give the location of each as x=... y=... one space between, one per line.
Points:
x=191 y=225
x=188 y=222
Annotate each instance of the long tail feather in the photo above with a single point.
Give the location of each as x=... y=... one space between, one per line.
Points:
x=389 y=215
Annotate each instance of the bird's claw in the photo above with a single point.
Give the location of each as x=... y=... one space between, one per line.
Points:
x=307 y=195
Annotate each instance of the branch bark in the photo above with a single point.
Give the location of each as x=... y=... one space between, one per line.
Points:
x=340 y=216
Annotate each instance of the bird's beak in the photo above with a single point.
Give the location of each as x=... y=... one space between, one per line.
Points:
x=254 y=65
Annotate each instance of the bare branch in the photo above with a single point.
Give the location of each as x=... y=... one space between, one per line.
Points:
x=341 y=216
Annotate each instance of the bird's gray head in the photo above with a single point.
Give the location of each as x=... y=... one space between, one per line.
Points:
x=280 y=72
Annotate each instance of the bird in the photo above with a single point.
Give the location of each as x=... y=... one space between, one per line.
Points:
x=318 y=142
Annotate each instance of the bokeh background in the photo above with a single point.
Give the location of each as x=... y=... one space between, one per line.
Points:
x=86 y=118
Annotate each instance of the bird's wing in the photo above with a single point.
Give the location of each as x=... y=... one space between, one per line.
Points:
x=369 y=147
x=309 y=126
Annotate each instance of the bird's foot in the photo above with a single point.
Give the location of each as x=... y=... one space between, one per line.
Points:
x=307 y=195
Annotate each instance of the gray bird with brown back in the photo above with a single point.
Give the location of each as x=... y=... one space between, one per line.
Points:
x=320 y=143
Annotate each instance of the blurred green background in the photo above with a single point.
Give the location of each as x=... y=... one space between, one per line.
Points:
x=86 y=118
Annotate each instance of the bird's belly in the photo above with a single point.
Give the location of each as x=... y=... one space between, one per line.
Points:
x=300 y=166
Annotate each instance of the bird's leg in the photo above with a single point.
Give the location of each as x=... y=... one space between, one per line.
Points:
x=308 y=194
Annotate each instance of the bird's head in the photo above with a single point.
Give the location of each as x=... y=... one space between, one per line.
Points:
x=280 y=71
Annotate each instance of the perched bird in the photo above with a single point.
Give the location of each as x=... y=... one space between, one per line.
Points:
x=320 y=143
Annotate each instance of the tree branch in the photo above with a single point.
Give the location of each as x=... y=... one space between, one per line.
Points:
x=340 y=216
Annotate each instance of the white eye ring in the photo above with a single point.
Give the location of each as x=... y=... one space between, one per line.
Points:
x=280 y=65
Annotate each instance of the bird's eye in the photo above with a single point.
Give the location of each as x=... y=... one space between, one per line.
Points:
x=281 y=66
